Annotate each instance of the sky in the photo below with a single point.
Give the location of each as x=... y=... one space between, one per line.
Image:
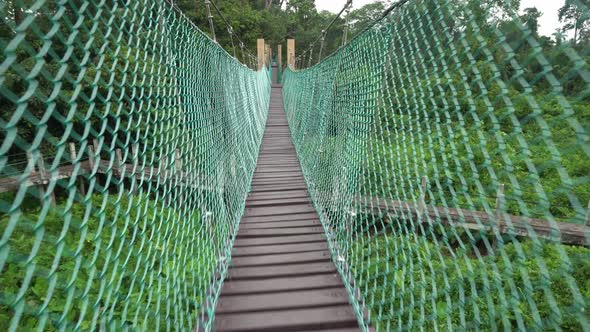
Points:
x=547 y=23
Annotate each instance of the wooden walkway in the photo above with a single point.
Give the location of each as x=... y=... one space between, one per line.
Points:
x=281 y=276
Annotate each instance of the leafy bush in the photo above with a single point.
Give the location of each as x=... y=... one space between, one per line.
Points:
x=124 y=261
x=408 y=281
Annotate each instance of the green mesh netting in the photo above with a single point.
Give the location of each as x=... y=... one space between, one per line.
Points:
x=128 y=141
x=447 y=150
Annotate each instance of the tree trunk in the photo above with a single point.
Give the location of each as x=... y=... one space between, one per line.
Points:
x=18 y=14
x=576 y=32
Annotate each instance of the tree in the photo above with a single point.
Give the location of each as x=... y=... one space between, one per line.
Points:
x=530 y=20
x=304 y=9
x=575 y=14
x=559 y=36
x=360 y=19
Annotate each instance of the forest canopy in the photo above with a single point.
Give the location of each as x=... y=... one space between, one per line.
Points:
x=277 y=20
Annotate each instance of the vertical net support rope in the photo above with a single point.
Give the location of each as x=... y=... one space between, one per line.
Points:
x=446 y=150
x=129 y=139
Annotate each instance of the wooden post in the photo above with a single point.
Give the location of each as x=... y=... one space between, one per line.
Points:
x=498 y=220
x=33 y=171
x=96 y=147
x=268 y=55
x=291 y=53
x=162 y=170
x=177 y=163
x=93 y=162
x=134 y=153
x=91 y=157
x=74 y=156
x=97 y=152
x=45 y=177
x=421 y=200
x=588 y=215
x=31 y=162
x=280 y=57
x=499 y=206
x=260 y=52
x=178 y=173
x=119 y=162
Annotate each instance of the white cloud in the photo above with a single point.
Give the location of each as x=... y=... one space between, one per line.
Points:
x=549 y=22
x=336 y=5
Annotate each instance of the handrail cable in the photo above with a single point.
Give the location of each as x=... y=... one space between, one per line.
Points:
x=377 y=20
x=322 y=35
x=180 y=12
x=210 y=19
x=231 y=29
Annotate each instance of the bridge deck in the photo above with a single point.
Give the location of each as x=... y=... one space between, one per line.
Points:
x=281 y=277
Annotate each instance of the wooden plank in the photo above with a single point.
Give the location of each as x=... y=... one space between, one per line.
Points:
x=273 y=271
x=290 y=157
x=265 y=232
x=267 y=167
x=283 y=151
x=279 y=175
x=279 y=240
x=275 y=160
x=294 y=173
x=278 y=259
x=279 y=248
x=277 y=169
x=278 y=195
x=280 y=218
x=273 y=202
x=563 y=232
x=346 y=329
x=282 y=181
x=268 y=187
x=281 y=300
x=276 y=210
x=296 y=184
x=279 y=163
x=341 y=316
x=284 y=224
x=281 y=284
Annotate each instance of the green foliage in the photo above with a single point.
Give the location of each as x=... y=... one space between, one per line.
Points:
x=361 y=18
x=426 y=284
x=107 y=259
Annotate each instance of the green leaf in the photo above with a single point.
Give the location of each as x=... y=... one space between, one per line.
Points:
x=441 y=309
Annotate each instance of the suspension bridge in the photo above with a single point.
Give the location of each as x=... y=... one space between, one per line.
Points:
x=431 y=174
